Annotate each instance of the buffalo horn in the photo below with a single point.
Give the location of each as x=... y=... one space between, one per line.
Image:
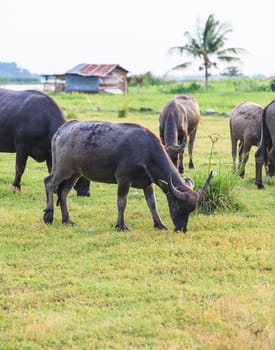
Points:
x=164 y=185
x=203 y=189
x=180 y=147
x=178 y=194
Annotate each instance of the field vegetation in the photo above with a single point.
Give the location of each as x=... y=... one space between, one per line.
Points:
x=92 y=287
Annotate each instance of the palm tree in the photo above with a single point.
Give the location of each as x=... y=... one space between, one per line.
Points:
x=208 y=46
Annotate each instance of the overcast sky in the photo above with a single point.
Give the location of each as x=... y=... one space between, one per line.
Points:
x=52 y=36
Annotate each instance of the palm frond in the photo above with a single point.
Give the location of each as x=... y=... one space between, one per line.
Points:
x=181 y=66
x=229 y=59
x=234 y=50
x=208 y=43
x=176 y=49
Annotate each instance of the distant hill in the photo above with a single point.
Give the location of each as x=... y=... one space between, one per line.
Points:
x=11 y=72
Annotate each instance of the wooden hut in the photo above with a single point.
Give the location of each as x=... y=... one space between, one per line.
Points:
x=92 y=78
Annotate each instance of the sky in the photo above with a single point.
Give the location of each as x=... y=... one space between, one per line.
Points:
x=52 y=36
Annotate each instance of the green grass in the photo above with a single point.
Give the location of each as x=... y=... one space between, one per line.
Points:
x=222 y=96
x=91 y=287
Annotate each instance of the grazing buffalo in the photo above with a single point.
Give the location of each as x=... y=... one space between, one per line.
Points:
x=28 y=120
x=245 y=128
x=127 y=154
x=265 y=154
x=178 y=122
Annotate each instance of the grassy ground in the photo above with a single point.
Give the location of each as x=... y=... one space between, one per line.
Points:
x=91 y=287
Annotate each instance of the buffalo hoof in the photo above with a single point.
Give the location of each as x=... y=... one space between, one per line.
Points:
x=68 y=222
x=122 y=227
x=48 y=218
x=180 y=231
x=161 y=227
x=260 y=186
x=16 y=189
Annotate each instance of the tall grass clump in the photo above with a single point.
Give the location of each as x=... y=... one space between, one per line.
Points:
x=222 y=191
x=124 y=109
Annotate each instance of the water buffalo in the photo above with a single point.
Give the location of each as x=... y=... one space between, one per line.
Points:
x=178 y=122
x=245 y=128
x=127 y=154
x=28 y=120
x=265 y=155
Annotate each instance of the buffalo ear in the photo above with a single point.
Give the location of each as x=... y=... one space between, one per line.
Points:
x=189 y=182
x=180 y=147
x=176 y=149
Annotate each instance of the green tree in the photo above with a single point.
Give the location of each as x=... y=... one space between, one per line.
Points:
x=208 y=45
x=231 y=71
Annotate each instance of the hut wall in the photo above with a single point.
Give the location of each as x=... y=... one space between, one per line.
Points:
x=80 y=83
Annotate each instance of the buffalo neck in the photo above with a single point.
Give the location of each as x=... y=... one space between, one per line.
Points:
x=162 y=169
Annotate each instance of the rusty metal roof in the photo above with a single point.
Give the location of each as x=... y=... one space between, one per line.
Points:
x=96 y=70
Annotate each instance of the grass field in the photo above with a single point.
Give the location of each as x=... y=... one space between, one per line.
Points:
x=91 y=287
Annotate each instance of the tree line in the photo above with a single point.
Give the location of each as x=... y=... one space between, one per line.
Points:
x=10 y=72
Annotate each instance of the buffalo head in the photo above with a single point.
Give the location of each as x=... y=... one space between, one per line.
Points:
x=174 y=150
x=182 y=200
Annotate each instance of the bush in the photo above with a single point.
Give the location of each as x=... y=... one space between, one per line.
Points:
x=123 y=111
x=182 y=88
x=221 y=194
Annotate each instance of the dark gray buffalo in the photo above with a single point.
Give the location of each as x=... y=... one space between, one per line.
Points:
x=127 y=154
x=245 y=127
x=265 y=154
x=178 y=123
x=28 y=120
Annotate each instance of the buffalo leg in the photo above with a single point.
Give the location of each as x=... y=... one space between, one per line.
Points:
x=82 y=187
x=240 y=151
x=244 y=159
x=21 y=160
x=48 y=211
x=51 y=183
x=192 y=137
x=234 y=152
x=122 y=195
x=151 y=202
x=181 y=139
x=49 y=164
x=180 y=162
x=62 y=192
x=259 y=168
